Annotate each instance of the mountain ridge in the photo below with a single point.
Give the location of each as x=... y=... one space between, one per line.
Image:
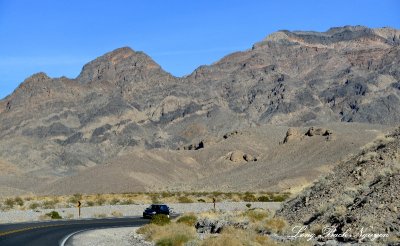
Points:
x=124 y=101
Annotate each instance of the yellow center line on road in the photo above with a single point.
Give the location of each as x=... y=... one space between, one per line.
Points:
x=25 y=229
x=5 y=233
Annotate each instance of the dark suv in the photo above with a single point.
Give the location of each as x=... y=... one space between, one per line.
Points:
x=156 y=209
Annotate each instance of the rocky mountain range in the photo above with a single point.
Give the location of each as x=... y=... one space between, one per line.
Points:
x=123 y=102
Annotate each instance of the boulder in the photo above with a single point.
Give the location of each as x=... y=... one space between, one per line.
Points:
x=237 y=156
x=319 y=132
x=230 y=134
x=292 y=134
x=248 y=157
x=212 y=226
x=195 y=146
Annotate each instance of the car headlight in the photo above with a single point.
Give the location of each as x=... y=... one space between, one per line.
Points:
x=153 y=212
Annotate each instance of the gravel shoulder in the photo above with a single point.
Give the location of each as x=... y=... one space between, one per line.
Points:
x=15 y=216
x=122 y=236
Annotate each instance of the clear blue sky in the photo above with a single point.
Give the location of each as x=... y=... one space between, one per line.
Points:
x=59 y=36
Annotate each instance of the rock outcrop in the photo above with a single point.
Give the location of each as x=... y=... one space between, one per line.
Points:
x=361 y=194
x=292 y=134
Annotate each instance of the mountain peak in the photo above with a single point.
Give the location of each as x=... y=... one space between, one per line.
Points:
x=120 y=53
x=105 y=67
x=37 y=77
x=385 y=35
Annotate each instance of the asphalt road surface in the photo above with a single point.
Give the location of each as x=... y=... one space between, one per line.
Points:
x=54 y=232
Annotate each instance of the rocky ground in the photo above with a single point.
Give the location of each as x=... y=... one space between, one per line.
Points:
x=359 y=199
x=125 y=236
x=255 y=159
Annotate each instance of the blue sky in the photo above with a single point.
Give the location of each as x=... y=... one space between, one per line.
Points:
x=59 y=37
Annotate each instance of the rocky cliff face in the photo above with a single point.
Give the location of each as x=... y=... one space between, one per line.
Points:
x=360 y=195
x=124 y=100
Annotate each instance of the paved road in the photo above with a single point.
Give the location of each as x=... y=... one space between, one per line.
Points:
x=53 y=232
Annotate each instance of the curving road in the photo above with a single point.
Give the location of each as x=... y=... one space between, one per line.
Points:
x=54 y=232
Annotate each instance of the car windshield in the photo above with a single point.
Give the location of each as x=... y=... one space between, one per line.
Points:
x=164 y=208
x=159 y=207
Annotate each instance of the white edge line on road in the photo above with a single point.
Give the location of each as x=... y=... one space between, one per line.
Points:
x=65 y=239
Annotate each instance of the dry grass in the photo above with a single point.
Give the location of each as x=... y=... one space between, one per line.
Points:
x=276 y=225
x=188 y=219
x=237 y=237
x=259 y=221
x=89 y=200
x=174 y=232
x=255 y=215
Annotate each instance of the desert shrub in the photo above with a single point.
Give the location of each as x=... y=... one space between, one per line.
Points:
x=317 y=229
x=90 y=203
x=54 y=215
x=248 y=205
x=147 y=230
x=154 y=198
x=264 y=199
x=256 y=214
x=117 y=214
x=9 y=203
x=221 y=240
x=201 y=200
x=174 y=240
x=114 y=201
x=165 y=194
x=184 y=199
x=340 y=211
x=189 y=219
x=100 y=201
x=48 y=204
x=217 y=193
x=228 y=195
x=276 y=225
x=248 y=197
x=173 y=234
x=127 y=202
x=28 y=198
x=237 y=237
x=18 y=200
x=160 y=219
x=34 y=205
x=75 y=198
x=280 y=197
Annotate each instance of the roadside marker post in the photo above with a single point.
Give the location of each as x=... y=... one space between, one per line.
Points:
x=79 y=208
x=214 y=203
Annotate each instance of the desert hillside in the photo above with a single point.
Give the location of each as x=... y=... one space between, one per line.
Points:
x=125 y=117
x=360 y=194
